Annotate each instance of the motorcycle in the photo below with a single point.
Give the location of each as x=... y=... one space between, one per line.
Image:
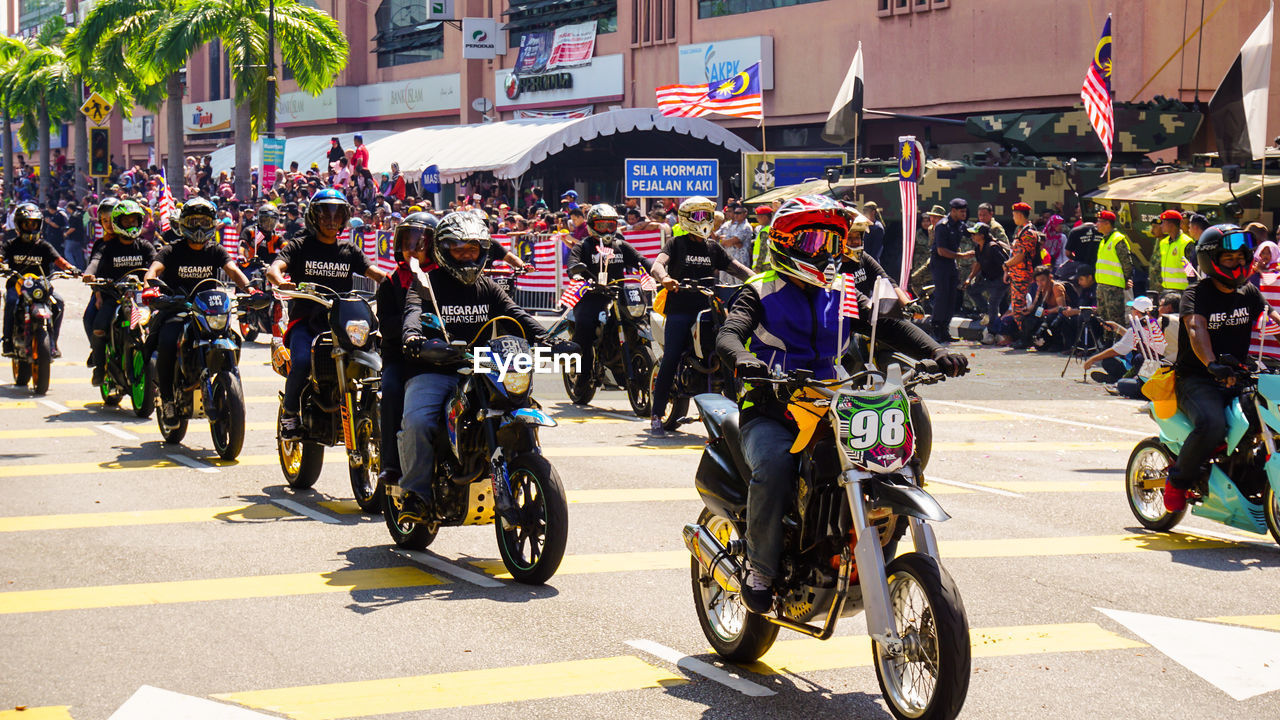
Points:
x=859 y=488
x=258 y=320
x=490 y=468
x=206 y=378
x=700 y=370
x=1242 y=487
x=33 y=345
x=340 y=403
x=126 y=359
x=623 y=345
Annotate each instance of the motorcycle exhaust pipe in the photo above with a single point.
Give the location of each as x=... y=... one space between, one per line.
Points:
x=713 y=557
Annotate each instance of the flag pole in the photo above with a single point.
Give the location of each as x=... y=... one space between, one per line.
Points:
x=764 y=139
x=856 y=122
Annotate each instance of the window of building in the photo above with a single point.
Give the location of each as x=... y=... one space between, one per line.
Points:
x=717 y=8
x=655 y=22
x=531 y=15
x=33 y=13
x=404 y=35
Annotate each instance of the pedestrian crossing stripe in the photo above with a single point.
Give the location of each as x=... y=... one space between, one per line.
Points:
x=234 y=513
x=48 y=712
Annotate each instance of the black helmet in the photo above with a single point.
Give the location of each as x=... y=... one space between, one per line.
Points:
x=417 y=231
x=198 y=222
x=327 y=197
x=602 y=222
x=1217 y=240
x=105 y=209
x=29 y=221
x=459 y=229
x=268 y=212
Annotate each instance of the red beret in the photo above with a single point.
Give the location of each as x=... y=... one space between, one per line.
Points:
x=1106 y=215
x=1022 y=207
x=1173 y=215
x=764 y=210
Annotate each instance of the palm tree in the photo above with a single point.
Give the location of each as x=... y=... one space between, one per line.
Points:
x=44 y=89
x=311 y=46
x=11 y=52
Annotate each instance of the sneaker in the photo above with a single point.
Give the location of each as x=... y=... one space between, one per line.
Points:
x=988 y=338
x=169 y=411
x=290 y=427
x=985 y=320
x=1100 y=376
x=6 y=349
x=389 y=477
x=757 y=593
x=98 y=375
x=414 y=509
x=1112 y=389
x=57 y=353
x=1175 y=498
x=655 y=427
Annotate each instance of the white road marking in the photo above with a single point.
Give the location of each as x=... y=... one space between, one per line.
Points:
x=448 y=568
x=620 y=416
x=705 y=669
x=192 y=463
x=1046 y=418
x=1241 y=662
x=56 y=407
x=971 y=486
x=152 y=703
x=308 y=511
x=113 y=430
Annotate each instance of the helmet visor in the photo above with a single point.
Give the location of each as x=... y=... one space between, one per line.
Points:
x=127 y=222
x=413 y=239
x=699 y=216
x=455 y=243
x=1237 y=240
x=26 y=225
x=333 y=210
x=811 y=242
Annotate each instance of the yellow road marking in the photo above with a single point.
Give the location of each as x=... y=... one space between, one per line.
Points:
x=133 y=466
x=153 y=429
x=349 y=507
x=1039 y=486
x=234 y=588
x=467 y=688
x=1265 y=622
x=251 y=399
x=242 y=513
x=48 y=712
x=808 y=655
x=603 y=562
x=1046 y=445
x=34 y=433
x=17 y=404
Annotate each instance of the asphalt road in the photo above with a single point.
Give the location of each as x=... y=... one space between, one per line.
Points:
x=128 y=565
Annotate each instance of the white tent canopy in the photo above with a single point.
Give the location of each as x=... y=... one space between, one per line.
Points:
x=509 y=148
x=305 y=149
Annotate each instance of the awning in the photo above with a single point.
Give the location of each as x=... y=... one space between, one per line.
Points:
x=306 y=149
x=1178 y=188
x=509 y=148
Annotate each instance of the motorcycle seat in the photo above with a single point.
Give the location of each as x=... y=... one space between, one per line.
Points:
x=720 y=416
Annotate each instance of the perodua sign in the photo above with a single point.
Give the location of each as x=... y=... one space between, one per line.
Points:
x=479 y=38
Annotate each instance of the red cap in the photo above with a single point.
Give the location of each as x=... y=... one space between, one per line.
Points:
x=1022 y=208
x=1173 y=215
x=1106 y=215
x=764 y=210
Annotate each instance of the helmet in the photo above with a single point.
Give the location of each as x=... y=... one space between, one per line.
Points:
x=1217 y=240
x=858 y=225
x=697 y=216
x=197 y=222
x=326 y=197
x=123 y=226
x=104 y=214
x=602 y=222
x=455 y=230
x=807 y=237
x=268 y=212
x=416 y=231
x=29 y=221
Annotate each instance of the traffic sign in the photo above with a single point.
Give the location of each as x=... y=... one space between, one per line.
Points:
x=430 y=179
x=671 y=178
x=96 y=108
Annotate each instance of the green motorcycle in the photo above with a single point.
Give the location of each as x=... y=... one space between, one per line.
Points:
x=126 y=360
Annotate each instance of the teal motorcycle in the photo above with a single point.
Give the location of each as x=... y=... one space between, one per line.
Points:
x=1242 y=488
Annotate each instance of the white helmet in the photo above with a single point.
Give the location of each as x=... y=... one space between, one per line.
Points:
x=697 y=216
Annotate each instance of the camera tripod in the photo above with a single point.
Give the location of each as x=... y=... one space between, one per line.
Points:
x=1087 y=338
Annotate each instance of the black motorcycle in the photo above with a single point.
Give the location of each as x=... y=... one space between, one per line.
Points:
x=489 y=462
x=258 y=319
x=33 y=344
x=701 y=370
x=340 y=403
x=623 y=345
x=206 y=377
x=126 y=358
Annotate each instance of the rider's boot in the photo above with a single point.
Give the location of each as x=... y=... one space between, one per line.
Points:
x=6 y=347
x=415 y=508
x=655 y=427
x=98 y=358
x=290 y=426
x=757 y=592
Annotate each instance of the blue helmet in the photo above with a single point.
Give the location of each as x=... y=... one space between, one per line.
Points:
x=326 y=196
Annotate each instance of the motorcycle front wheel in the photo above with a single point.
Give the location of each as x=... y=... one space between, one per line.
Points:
x=576 y=396
x=639 y=383
x=734 y=633
x=1149 y=463
x=226 y=421
x=41 y=366
x=21 y=372
x=1272 y=512
x=364 y=475
x=111 y=395
x=929 y=678
x=532 y=549
x=414 y=536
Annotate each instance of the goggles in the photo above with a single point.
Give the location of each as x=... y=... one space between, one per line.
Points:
x=1237 y=240
x=605 y=226
x=199 y=222
x=126 y=222
x=28 y=225
x=702 y=216
x=811 y=242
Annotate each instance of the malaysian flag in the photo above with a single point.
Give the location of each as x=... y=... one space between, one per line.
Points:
x=646 y=242
x=1269 y=284
x=165 y=206
x=135 y=315
x=910 y=168
x=383 y=249
x=645 y=280
x=848 y=297
x=369 y=244
x=345 y=235
x=738 y=96
x=1096 y=91
x=231 y=241
x=543 y=277
x=571 y=294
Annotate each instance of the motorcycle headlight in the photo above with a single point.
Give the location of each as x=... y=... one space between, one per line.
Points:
x=37 y=294
x=517 y=383
x=217 y=322
x=358 y=332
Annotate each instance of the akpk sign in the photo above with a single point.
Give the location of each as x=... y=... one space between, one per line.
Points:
x=720 y=60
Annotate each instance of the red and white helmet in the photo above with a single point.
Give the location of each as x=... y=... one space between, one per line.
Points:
x=808 y=237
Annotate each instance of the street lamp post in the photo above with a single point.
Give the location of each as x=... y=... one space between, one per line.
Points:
x=271 y=68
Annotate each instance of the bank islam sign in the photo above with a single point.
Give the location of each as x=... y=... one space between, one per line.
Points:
x=720 y=60
x=671 y=178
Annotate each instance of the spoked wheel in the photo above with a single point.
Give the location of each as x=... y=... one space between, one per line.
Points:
x=1272 y=512
x=111 y=395
x=300 y=461
x=21 y=372
x=677 y=406
x=734 y=633
x=1144 y=480
x=142 y=389
x=929 y=677
x=41 y=366
x=415 y=536
x=577 y=396
x=226 y=419
x=364 y=476
x=533 y=548
x=639 y=382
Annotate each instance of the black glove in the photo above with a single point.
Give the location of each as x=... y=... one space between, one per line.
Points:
x=1221 y=370
x=413 y=347
x=751 y=368
x=953 y=364
x=566 y=347
x=432 y=351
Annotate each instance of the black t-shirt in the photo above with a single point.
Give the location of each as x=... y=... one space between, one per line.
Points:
x=1083 y=242
x=947 y=235
x=865 y=272
x=113 y=258
x=31 y=257
x=1232 y=317
x=621 y=254
x=54 y=223
x=184 y=268
x=991 y=258
x=76 y=226
x=307 y=260
x=693 y=259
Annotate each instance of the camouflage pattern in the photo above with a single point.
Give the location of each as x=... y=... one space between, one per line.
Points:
x=1140 y=128
x=1111 y=304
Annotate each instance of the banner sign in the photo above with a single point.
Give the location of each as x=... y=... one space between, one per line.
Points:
x=573 y=45
x=272 y=160
x=430 y=179
x=535 y=51
x=584 y=111
x=671 y=178
x=762 y=172
x=479 y=38
x=207 y=117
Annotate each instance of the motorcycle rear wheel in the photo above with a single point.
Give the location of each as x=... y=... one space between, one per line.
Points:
x=226 y=422
x=414 y=536
x=1149 y=459
x=532 y=550
x=41 y=366
x=21 y=372
x=677 y=406
x=111 y=395
x=736 y=634
x=300 y=461
x=248 y=331
x=571 y=388
x=931 y=621
x=639 y=384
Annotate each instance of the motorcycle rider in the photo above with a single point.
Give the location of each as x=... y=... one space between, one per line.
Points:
x=462 y=300
x=125 y=251
x=315 y=256
x=1218 y=316
x=791 y=319
x=690 y=254
x=602 y=250
x=182 y=266
x=866 y=270
x=105 y=209
x=267 y=239
x=29 y=252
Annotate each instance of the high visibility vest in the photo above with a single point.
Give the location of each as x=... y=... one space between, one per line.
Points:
x=1173 y=273
x=1108 y=271
x=760 y=249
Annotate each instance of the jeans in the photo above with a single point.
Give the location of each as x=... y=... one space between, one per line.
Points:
x=766 y=446
x=989 y=294
x=73 y=251
x=11 y=313
x=98 y=324
x=392 y=410
x=1204 y=401
x=300 y=339
x=424 y=400
x=586 y=319
x=945 y=281
x=678 y=336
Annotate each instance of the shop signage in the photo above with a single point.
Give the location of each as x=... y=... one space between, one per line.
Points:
x=535 y=50
x=207 y=117
x=763 y=172
x=441 y=10
x=272 y=160
x=671 y=178
x=414 y=96
x=479 y=38
x=430 y=179
x=516 y=85
x=720 y=60
x=601 y=81
x=139 y=128
x=574 y=114
x=296 y=108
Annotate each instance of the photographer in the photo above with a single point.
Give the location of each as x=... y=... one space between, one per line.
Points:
x=1151 y=340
